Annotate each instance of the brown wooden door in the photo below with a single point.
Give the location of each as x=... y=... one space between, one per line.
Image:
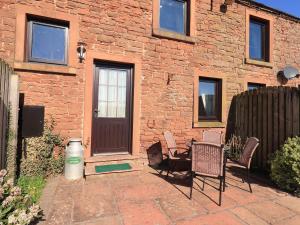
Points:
x=112 y=109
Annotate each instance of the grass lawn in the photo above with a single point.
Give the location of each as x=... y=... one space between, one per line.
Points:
x=33 y=186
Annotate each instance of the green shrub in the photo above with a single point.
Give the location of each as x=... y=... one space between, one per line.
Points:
x=16 y=207
x=235 y=147
x=285 y=166
x=32 y=186
x=44 y=155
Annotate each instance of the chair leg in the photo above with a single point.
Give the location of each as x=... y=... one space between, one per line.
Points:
x=192 y=182
x=248 y=180
x=170 y=167
x=220 y=191
x=224 y=176
x=168 y=172
x=203 y=183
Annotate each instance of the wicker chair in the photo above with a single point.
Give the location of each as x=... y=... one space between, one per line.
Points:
x=208 y=161
x=212 y=137
x=246 y=157
x=174 y=156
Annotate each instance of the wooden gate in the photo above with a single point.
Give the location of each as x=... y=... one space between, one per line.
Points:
x=5 y=72
x=271 y=114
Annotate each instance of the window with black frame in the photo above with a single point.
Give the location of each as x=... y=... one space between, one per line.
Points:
x=259 y=39
x=47 y=41
x=174 y=16
x=210 y=99
x=254 y=86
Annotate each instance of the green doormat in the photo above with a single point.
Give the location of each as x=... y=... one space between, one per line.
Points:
x=113 y=167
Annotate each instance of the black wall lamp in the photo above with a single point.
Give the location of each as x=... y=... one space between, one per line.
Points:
x=81 y=51
x=224 y=6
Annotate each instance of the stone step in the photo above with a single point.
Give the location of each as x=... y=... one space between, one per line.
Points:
x=109 y=158
x=137 y=163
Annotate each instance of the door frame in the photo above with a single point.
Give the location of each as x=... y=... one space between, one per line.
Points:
x=136 y=62
x=113 y=65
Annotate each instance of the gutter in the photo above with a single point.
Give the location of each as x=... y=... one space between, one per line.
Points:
x=260 y=6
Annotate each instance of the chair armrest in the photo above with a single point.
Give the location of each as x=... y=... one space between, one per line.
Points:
x=182 y=150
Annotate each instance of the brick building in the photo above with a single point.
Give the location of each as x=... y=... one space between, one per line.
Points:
x=143 y=71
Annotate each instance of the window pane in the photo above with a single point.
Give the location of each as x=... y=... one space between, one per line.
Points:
x=112 y=93
x=172 y=15
x=113 y=76
x=253 y=86
x=103 y=77
x=48 y=43
x=102 y=109
x=208 y=99
x=121 y=111
x=122 y=78
x=112 y=109
x=257 y=30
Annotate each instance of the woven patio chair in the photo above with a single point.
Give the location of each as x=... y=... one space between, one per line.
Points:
x=208 y=161
x=212 y=137
x=175 y=156
x=156 y=159
x=246 y=157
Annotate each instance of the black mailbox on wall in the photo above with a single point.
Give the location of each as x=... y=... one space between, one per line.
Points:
x=32 y=121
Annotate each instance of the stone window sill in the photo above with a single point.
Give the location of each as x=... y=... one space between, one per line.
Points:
x=42 y=67
x=258 y=63
x=212 y=124
x=173 y=36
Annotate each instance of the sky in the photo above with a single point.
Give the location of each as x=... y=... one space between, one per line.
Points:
x=289 y=6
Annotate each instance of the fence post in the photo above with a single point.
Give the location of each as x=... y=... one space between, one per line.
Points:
x=13 y=125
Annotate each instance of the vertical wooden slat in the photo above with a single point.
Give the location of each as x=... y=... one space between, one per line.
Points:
x=250 y=114
x=276 y=119
x=2 y=72
x=288 y=113
x=259 y=127
x=242 y=118
x=282 y=125
x=270 y=113
x=264 y=137
x=246 y=111
x=295 y=111
x=254 y=124
x=5 y=72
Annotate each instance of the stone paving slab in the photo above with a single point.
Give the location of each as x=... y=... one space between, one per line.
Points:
x=144 y=197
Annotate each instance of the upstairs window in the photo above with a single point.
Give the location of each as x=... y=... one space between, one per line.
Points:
x=210 y=99
x=254 y=86
x=47 y=42
x=259 y=39
x=174 y=16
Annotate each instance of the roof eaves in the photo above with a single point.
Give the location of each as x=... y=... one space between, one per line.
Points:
x=257 y=5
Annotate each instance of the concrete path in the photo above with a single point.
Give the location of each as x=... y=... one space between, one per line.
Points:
x=144 y=197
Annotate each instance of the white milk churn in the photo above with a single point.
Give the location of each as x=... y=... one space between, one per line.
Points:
x=74 y=159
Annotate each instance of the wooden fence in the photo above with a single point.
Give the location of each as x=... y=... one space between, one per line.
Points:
x=271 y=114
x=5 y=72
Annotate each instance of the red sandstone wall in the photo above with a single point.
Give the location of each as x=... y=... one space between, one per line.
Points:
x=7 y=30
x=124 y=27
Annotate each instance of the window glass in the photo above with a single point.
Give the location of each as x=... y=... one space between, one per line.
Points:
x=173 y=15
x=209 y=99
x=258 y=41
x=253 y=86
x=48 y=43
x=112 y=93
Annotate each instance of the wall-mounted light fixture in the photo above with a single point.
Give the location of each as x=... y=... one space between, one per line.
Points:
x=81 y=51
x=224 y=6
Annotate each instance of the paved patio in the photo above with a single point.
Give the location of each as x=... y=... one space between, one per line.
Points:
x=144 y=197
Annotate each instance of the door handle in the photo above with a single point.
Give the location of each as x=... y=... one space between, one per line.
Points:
x=96 y=112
